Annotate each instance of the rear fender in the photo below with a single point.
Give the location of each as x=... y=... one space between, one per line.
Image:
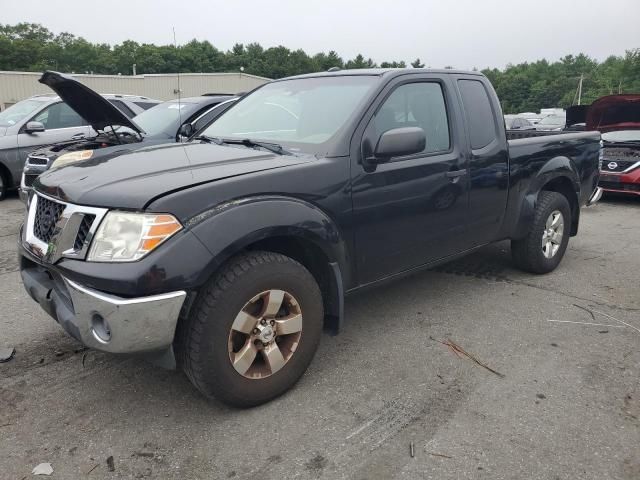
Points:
x=558 y=170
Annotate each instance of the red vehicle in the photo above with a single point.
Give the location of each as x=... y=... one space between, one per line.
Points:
x=617 y=117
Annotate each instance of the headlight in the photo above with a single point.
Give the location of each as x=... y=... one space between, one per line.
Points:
x=72 y=157
x=126 y=237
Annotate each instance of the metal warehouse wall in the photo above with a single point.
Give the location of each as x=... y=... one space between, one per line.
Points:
x=16 y=86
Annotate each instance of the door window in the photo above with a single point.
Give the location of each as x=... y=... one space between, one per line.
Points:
x=480 y=117
x=417 y=105
x=123 y=107
x=59 y=115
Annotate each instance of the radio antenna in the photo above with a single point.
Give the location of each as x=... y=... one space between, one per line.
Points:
x=175 y=44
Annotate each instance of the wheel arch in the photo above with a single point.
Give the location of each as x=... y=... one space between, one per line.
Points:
x=559 y=175
x=6 y=176
x=291 y=227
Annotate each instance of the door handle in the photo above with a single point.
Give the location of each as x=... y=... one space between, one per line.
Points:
x=78 y=135
x=455 y=173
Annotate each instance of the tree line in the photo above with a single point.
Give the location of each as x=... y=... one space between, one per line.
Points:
x=522 y=87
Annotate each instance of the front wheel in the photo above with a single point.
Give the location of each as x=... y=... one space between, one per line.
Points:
x=253 y=330
x=546 y=242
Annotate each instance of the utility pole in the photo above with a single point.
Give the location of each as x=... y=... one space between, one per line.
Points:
x=133 y=67
x=580 y=88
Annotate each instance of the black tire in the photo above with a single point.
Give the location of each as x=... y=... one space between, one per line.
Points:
x=205 y=339
x=527 y=253
x=4 y=185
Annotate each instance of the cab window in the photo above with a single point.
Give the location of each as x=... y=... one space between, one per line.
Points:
x=417 y=105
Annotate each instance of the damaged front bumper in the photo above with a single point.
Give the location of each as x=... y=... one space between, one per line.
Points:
x=100 y=320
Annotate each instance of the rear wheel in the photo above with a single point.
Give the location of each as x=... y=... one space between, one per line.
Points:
x=253 y=330
x=546 y=242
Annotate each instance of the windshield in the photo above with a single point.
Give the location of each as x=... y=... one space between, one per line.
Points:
x=164 y=119
x=622 y=136
x=553 y=120
x=509 y=121
x=18 y=112
x=305 y=112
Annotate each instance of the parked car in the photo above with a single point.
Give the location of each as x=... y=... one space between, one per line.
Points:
x=46 y=119
x=228 y=254
x=618 y=118
x=552 y=122
x=514 y=122
x=116 y=133
x=531 y=117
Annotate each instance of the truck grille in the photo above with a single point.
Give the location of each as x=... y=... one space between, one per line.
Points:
x=47 y=215
x=55 y=229
x=83 y=231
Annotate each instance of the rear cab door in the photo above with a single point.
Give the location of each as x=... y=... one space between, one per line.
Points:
x=489 y=158
x=411 y=210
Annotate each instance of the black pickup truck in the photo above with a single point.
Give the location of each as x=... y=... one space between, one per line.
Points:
x=228 y=255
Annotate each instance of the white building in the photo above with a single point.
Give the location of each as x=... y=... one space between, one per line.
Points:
x=16 y=86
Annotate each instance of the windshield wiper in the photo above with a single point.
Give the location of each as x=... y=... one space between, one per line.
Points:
x=207 y=139
x=247 y=142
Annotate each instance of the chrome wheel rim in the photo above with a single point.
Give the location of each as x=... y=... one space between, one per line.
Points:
x=553 y=233
x=265 y=334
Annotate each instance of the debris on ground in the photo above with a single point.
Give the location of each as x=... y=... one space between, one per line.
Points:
x=93 y=468
x=593 y=316
x=110 y=465
x=541 y=396
x=42 y=469
x=439 y=455
x=458 y=350
x=411 y=450
x=6 y=354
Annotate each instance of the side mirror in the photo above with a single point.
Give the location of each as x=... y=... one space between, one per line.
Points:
x=34 y=127
x=186 y=130
x=398 y=142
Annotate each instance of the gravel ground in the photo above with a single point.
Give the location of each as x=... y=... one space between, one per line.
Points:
x=567 y=407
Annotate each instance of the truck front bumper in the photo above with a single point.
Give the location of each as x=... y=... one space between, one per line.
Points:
x=103 y=321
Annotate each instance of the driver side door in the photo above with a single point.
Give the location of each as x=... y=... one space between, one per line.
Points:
x=411 y=210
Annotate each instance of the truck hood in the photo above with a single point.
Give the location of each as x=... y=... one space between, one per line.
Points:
x=133 y=180
x=614 y=112
x=91 y=106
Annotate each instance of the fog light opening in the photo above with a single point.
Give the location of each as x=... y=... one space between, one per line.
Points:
x=100 y=329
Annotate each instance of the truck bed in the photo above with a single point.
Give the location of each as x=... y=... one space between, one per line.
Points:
x=516 y=134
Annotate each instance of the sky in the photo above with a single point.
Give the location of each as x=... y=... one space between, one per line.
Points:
x=459 y=33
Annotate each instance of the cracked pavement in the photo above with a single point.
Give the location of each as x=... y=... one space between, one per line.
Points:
x=568 y=406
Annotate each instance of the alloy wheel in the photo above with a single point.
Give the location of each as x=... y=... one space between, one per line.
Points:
x=265 y=334
x=553 y=233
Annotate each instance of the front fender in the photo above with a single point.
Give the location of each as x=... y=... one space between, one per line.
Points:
x=555 y=168
x=232 y=226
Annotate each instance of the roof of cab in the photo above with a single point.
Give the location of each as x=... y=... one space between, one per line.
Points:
x=380 y=72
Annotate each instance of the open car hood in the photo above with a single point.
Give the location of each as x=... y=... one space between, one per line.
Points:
x=614 y=112
x=91 y=106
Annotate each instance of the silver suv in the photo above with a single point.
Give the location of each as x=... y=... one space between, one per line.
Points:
x=43 y=120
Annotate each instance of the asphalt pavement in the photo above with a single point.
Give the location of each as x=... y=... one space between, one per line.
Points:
x=562 y=401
